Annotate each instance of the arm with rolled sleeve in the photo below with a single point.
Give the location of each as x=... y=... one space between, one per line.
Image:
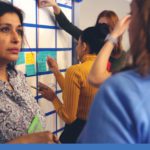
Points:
x=68 y=110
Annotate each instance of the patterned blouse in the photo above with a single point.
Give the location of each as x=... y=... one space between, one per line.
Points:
x=17 y=108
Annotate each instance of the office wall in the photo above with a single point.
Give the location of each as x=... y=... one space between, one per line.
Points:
x=88 y=10
x=43 y=38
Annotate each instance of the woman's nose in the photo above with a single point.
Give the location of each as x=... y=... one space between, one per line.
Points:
x=15 y=37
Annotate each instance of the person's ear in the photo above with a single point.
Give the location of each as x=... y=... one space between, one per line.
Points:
x=84 y=46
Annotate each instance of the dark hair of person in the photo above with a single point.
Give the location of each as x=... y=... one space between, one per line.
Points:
x=94 y=37
x=140 y=47
x=112 y=21
x=7 y=7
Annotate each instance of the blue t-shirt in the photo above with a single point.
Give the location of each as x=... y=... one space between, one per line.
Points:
x=120 y=112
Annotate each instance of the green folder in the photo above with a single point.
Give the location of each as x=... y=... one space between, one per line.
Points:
x=35 y=125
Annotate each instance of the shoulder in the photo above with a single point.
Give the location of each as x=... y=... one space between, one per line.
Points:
x=74 y=73
x=74 y=69
x=20 y=74
x=120 y=93
x=126 y=87
x=16 y=74
x=124 y=79
x=122 y=87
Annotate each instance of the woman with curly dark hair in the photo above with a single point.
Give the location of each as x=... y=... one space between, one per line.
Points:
x=18 y=108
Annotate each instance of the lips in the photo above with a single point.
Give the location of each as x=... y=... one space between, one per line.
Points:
x=14 y=50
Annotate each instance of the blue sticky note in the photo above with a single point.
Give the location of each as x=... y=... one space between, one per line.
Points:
x=42 y=67
x=21 y=58
x=42 y=56
x=30 y=70
x=41 y=59
x=52 y=54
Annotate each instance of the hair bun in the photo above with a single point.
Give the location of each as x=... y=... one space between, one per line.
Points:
x=102 y=30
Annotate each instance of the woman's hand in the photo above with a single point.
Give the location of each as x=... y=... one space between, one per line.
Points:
x=46 y=92
x=40 y=137
x=121 y=26
x=50 y=3
x=52 y=64
x=47 y=3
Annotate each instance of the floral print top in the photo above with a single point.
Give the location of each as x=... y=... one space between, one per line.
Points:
x=17 y=107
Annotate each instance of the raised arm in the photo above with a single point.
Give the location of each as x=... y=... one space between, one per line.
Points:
x=53 y=66
x=99 y=73
x=61 y=18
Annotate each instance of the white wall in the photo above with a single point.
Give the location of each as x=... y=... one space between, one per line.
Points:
x=42 y=38
x=88 y=10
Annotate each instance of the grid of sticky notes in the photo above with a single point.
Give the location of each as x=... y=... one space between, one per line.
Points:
x=35 y=62
x=42 y=38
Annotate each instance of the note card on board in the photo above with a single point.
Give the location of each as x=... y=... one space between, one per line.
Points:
x=21 y=59
x=30 y=70
x=41 y=59
x=30 y=58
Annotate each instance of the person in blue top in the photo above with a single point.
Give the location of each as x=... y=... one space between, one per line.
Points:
x=120 y=112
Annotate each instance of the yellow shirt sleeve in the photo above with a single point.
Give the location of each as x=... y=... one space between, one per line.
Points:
x=68 y=110
x=60 y=79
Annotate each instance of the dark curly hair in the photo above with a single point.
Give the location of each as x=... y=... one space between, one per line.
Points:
x=94 y=37
x=7 y=7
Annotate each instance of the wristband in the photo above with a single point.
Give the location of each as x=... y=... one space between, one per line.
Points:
x=113 y=40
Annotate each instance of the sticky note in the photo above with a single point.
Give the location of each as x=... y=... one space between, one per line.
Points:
x=41 y=60
x=42 y=56
x=52 y=54
x=35 y=125
x=30 y=58
x=21 y=58
x=42 y=67
x=30 y=70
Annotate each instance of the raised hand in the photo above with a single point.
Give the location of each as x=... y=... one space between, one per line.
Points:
x=121 y=26
x=52 y=64
x=47 y=3
x=46 y=92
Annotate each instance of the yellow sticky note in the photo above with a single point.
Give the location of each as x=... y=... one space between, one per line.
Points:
x=30 y=58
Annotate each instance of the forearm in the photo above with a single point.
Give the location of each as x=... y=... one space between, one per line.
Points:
x=68 y=110
x=60 y=79
x=98 y=73
x=62 y=111
x=65 y=24
x=38 y=137
x=15 y=142
x=20 y=140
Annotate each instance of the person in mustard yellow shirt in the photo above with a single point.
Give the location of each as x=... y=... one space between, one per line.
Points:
x=78 y=94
